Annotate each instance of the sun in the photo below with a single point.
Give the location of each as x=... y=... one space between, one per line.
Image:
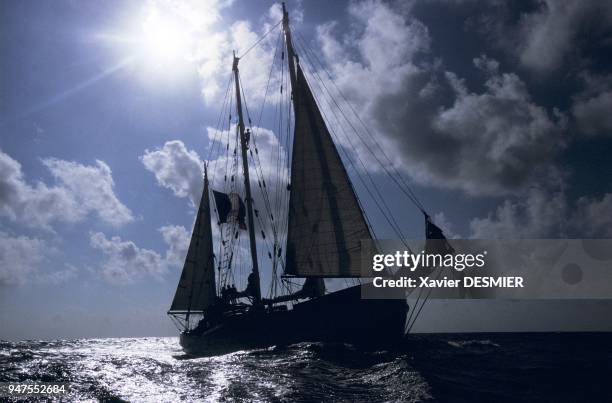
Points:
x=164 y=41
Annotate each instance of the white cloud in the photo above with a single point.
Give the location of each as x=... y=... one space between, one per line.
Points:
x=539 y=215
x=547 y=215
x=92 y=187
x=26 y=259
x=81 y=190
x=267 y=157
x=126 y=262
x=401 y=39
x=20 y=258
x=177 y=238
x=164 y=162
x=177 y=169
x=213 y=55
x=171 y=36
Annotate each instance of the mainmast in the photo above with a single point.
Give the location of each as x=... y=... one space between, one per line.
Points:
x=290 y=53
x=256 y=287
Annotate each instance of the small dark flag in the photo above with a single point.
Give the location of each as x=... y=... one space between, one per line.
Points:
x=231 y=208
x=439 y=243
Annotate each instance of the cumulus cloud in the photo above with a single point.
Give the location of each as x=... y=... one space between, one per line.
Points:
x=544 y=36
x=547 y=215
x=80 y=190
x=205 y=41
x=550 y=34
x=92 y=187
x=187 y=182
x=442 y=222
x=177 y=238
x=496 y=141
x=26 y=259
x=20 y=257
x=492 y=142
x=177 y=169
x=213 y=55
x=591 y=108
x=539 y=215
x=127 y=263
x=268 y=162
x=592 y=217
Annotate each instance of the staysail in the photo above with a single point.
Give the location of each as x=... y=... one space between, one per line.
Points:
x=196 y=288
x=326 y=223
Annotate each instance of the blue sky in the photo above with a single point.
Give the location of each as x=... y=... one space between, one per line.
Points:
x=497 y=113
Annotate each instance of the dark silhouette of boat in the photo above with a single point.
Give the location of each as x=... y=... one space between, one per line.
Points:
x=325 y=225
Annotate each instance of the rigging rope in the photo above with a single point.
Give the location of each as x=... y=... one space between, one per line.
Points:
x=261 y=38
x=279 y=225
x=406 y=189
x=375 y=194
x=394 y=176
x=391 y=221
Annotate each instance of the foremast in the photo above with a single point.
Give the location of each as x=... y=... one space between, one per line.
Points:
x=254 y=282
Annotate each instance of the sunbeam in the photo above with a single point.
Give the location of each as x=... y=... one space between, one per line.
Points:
x=77 y=88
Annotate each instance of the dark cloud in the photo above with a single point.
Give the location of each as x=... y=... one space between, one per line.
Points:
x=491 y=142
x=486 y=131
x=544 y=214
x=591 y=108
x=553 y=33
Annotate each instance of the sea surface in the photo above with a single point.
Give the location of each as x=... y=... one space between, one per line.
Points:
x=446 y=368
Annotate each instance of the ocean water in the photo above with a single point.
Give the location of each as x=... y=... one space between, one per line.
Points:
x=481 y=367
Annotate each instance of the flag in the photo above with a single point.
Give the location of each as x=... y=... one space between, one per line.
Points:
x=436 y=243
x=230 y=208
x=439 y=243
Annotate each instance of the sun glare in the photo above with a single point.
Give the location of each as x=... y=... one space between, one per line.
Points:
x=164 y=41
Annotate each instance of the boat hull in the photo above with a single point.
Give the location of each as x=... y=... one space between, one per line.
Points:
x=342 y=316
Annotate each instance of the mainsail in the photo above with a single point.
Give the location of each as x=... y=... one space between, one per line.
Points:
x=326 y=223
x=196 y=288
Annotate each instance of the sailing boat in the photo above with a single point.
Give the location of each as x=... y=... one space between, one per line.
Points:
x=325 y=227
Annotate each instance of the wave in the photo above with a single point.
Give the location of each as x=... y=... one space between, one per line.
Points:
x=426 y=367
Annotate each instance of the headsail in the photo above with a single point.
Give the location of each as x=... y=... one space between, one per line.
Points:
x=326 y=223
x=196 y=288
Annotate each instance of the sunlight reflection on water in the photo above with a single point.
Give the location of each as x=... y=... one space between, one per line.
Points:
x=156 y=370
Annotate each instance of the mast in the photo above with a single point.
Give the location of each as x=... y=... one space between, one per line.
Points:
x=247 y=186
x=290 y=53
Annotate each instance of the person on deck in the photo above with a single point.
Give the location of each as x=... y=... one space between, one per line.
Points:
x=247 y=137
